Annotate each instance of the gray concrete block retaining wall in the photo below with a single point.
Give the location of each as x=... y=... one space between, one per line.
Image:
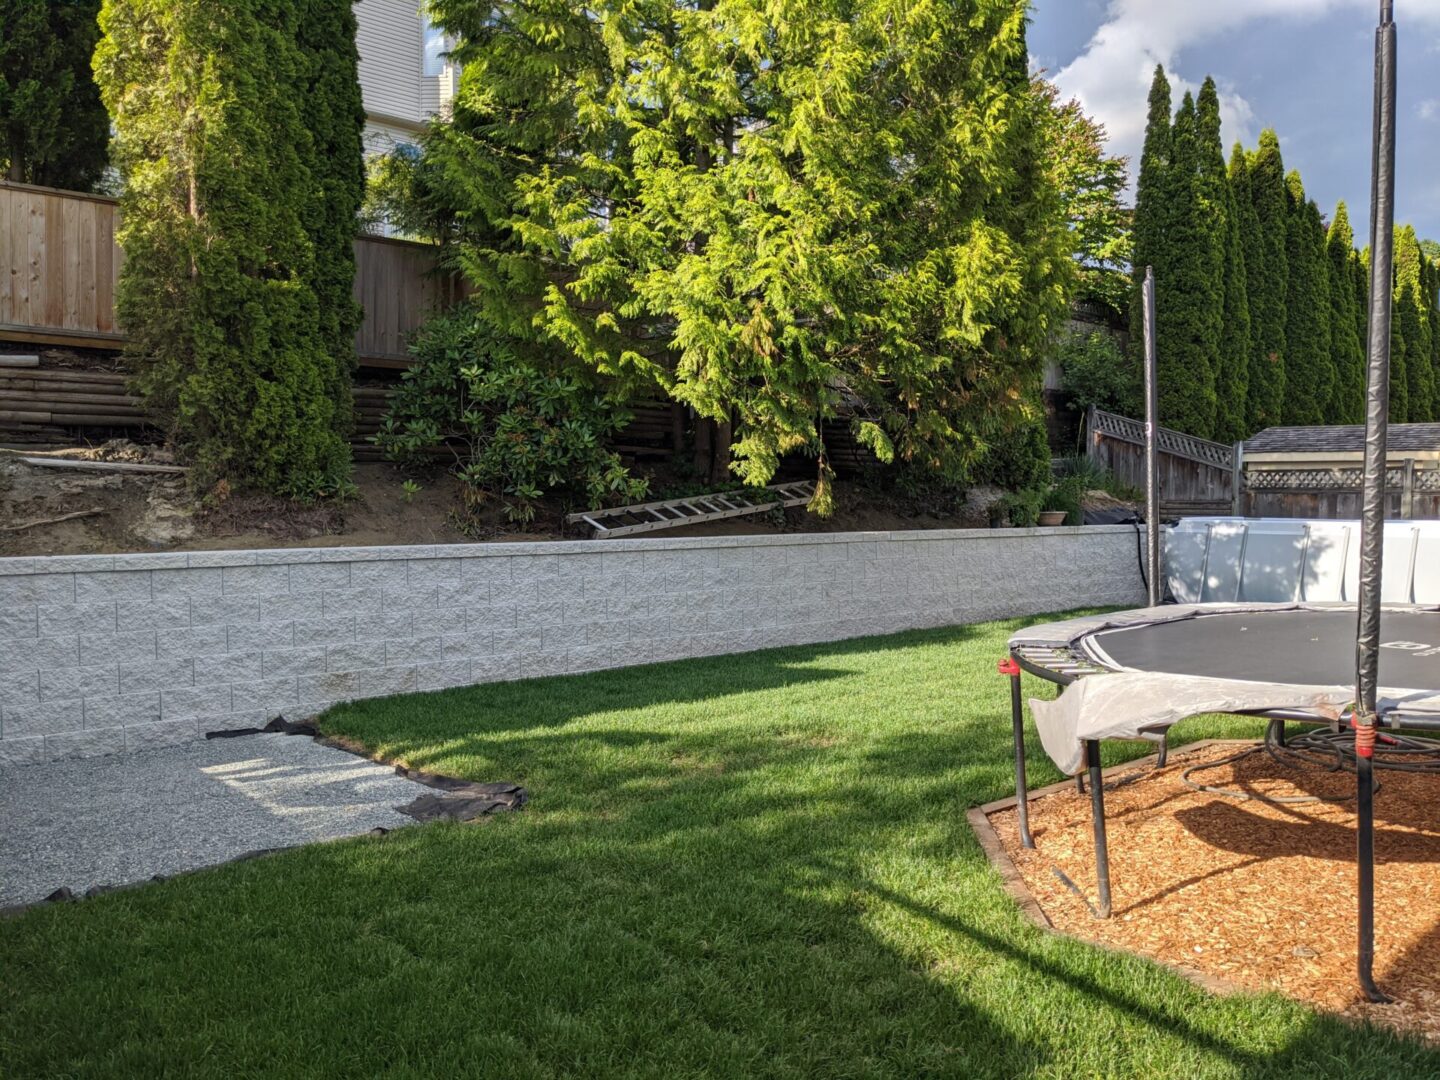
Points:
x=107 y=653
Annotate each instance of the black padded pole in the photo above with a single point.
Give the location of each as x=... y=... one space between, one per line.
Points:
x=1017 y=727
x=1097 y=817
x=1152 y=466
x=1372 y=520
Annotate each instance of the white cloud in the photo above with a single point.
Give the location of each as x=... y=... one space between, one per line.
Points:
x=1429 y=109
x=1111 y=77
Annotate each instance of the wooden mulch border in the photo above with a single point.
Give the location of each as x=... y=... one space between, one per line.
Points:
x=1014 y=881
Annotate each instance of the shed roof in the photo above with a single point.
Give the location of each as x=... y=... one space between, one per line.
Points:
x=1342 y=439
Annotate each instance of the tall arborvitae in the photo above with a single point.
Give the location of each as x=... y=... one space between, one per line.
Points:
x=1232 y=358
x=1309 y=367
x=334 y=115
x=1189 y=293
x=1269 y=283
x=1412 y=325
x=1152 y=200
x=1360 y=282
x=1253 y=253
x=1347 y=396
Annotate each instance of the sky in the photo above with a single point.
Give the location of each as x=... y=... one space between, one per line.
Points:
x=1302 y=67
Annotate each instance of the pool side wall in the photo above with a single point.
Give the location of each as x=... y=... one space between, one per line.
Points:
x=102 y=654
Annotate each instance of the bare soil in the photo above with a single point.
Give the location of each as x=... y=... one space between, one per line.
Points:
x=156 y=512
x=1259 y=895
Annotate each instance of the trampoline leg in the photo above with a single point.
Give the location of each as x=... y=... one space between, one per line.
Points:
x=1017 y=724
x=1080 y=783
x=1097 y=814
x=1279 y=726
x=1365 y=874
x=1163 y=754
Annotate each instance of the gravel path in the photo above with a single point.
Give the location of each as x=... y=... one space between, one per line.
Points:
x=121 y=819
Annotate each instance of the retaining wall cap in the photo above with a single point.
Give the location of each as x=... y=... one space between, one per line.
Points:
x=56 y=564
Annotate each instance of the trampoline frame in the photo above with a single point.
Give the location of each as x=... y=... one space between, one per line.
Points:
x=1063 y=666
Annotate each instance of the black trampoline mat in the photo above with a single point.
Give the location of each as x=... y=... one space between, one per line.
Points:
x=1303 y=647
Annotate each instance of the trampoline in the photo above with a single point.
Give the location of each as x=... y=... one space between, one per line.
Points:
x=1133 y=674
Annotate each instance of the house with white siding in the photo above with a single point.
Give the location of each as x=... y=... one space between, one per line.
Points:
x=405 y=76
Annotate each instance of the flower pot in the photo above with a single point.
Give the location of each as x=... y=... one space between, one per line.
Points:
x=1052 y=517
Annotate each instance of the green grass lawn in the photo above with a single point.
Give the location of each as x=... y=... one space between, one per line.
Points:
x=755 y=865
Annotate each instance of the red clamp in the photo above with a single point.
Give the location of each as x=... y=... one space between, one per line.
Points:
x=1365 y=737
x=1008 y=667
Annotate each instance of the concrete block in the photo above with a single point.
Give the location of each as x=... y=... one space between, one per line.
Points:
x=122 y=709
x=287 y=607
x=113 y=585
x=561 y=589
x=282 y=662
x=43 y=653
x=494 y=668
x=520 y=594
x=99 y=649
x=64 y=684
x=428 y=573
x=20 y=621
x=170 y=674
x=47 y=718
x=417 y=650
x=319 y=577
x=330 y=687
x=355 y=656
x=379 y=575
x=229 y=667
x=463 y=593
x=167 y=613
x=37 y=589
x=193 y=581
x=559 y=638
x=20 y=687
x=161 y=734
x=442 y=675
x=386 y=627
x=195 y=701
x=352 y=602
x=93 y=742
x=195 y=642
x=267 y=696
x=263 y=636
x=535 y=568
x=331 y=631
x=27 y=751
x=223 y=610
x=523 y=639
x=419 y=601
x=383 y=682
x=464 y=646
x=491 y=617
x=492 y=569
x=255 y=580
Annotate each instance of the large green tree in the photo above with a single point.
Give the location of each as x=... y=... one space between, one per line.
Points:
x=1232 y=356
x=1347 y=396
x=1412 y=326
x=53 y=127
x=218 y=295
x=1309 y=365
x=334 y=114
x=776 y=211
x=1149 y=243
x=1269 y=282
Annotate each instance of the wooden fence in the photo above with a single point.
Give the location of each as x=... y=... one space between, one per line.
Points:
x=59 y=263
x=1197 y=476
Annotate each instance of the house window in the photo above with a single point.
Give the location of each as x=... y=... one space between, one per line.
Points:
x=436 y=45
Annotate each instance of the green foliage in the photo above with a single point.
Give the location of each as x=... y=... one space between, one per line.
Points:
x=1152 y=204
x=1218 y=203
x=1414 y=308
x=1095 y=371
x=774 y=211
x=520 y=425
x=1347 y=399
x=408 y=490
x=1269 y=283
x=1090 y=475
x=334 y=115
x=1092 y=187
x=229 y=235
x=1021 y=508
x=1309 y=363
x=1017 y=459
x=53 y=127
x=1065 y=494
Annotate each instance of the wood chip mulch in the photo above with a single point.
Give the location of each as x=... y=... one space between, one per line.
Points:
x=1261 y=896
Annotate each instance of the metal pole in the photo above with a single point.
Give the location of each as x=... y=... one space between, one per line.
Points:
x=1097 y=821
x=1372 y=521
x=1017 y=728
x=1152 y=473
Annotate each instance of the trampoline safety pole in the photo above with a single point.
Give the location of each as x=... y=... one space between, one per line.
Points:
x=1011 y=668
x=1154 y=592
x=1372 y=521
x=1097 y=820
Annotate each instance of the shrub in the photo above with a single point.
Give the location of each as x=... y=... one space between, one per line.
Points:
x=1022 y=508
x=1095 y=372
x=1017 y=459
x=520 y=424
x=1065 y=495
